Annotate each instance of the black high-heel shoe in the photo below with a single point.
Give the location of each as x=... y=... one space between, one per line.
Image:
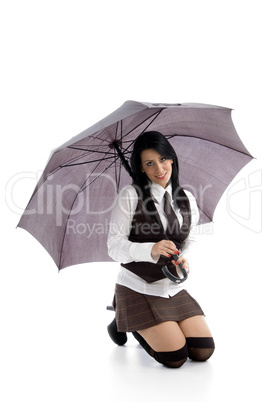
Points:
x=120 y=338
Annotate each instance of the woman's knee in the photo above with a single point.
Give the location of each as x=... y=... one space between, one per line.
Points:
x=174 y=359
x=200 y=348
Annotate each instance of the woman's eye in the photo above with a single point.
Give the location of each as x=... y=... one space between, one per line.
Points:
x=149 y=163
x=163 y=159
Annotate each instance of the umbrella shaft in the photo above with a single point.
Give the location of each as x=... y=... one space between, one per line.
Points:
x=122 y=158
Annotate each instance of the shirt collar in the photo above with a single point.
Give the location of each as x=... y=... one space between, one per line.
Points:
x=157 y=191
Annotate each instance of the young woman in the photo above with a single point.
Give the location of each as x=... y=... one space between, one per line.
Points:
x=167 y=322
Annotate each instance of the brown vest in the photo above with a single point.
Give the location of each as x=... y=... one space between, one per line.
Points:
x=145 y=229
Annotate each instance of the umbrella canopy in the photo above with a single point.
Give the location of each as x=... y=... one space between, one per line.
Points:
x=70 y=208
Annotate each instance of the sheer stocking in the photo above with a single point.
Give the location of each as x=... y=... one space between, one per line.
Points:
x=174 y=359
x=199 y=348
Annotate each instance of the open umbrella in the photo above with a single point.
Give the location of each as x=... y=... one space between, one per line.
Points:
x=69 y=210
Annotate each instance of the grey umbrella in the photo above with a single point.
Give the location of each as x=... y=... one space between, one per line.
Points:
x=69 y=210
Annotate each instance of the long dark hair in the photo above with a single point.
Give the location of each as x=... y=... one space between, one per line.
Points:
x=158 y=142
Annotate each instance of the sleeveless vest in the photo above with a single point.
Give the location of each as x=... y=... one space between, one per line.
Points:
x=144 y=229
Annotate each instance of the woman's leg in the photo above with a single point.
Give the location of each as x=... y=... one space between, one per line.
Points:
x=165 y=342
x=195 y=326
x=164 y=337
x=199 y=339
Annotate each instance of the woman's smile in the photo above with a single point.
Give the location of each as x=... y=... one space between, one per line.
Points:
x=161 y=177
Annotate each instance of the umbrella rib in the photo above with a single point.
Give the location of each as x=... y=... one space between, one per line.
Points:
x=106 y=168
x=90 y=150
x=65 y=231
x=83 y=163
x=118 y=179
x=204 y=213
x=156 y=114
x=77 y=158
x=204 y=139
x=117 y=172
x=81 y=189
x=81 y=156
x=117 y=168
x=125 y=150
x=91 y=145
x=101 y=160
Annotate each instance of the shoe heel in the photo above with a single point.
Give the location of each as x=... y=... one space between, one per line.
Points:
x=120 y=338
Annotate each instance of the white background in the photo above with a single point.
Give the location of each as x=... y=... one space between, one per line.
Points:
x=66 y=65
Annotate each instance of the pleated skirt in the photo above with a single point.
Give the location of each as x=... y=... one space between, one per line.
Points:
x=136 y=311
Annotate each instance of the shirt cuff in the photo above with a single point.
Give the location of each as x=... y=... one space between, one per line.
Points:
x=142 y=252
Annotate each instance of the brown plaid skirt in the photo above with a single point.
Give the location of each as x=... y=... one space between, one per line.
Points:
x=136 y=311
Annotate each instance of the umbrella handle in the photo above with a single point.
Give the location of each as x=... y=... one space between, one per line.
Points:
x=174 y=278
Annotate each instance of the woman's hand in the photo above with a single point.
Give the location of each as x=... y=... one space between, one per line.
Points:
x=164 y=247
x=184 y=262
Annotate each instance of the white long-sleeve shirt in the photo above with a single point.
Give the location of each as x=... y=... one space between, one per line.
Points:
x=122 y=250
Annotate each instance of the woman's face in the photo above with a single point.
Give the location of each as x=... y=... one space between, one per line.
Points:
x=157 y=168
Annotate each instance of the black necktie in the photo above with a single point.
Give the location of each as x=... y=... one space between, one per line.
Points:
x=173 y=223
x=173 y=227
